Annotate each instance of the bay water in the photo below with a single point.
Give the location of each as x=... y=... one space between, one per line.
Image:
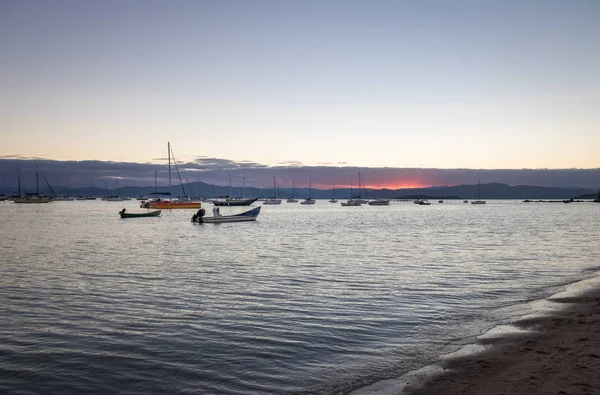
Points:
x=316 y=299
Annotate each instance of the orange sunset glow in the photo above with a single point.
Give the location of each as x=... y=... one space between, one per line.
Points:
x=392 y=184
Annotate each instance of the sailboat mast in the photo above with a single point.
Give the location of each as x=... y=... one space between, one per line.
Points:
x=230 y=186
x=37 y=184
x=274 y=190
x=19 y=181
x=169 y=153
x=155 y=183
x=243 y=187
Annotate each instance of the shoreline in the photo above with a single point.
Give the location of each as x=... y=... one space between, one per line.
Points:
x=556 y=352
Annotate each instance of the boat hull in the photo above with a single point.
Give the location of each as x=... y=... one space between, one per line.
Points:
x=383 y=202
x=249 y=215
x=272 y=201
x=140 y=215
x=32 y=200
x=234 y=202
x=174 y=205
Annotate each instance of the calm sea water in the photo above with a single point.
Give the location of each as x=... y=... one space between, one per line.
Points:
x=307 y=299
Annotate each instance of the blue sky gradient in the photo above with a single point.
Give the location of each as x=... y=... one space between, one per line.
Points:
x=438 y=84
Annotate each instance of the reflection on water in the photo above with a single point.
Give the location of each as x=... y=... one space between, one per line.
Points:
x=307 y=299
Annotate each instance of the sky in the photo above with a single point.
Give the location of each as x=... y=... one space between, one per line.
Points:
x=475 y=84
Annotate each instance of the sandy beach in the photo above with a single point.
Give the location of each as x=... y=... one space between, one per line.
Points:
x=560 y=356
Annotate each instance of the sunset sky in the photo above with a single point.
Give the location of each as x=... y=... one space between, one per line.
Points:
x=418 y=84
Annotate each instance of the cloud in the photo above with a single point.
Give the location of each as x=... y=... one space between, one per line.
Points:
x=106 y=174
x=290 y=163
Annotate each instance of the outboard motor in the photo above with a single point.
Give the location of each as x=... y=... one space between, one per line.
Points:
x=198 y=216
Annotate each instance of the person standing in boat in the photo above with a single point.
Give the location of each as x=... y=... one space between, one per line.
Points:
x=216 y=212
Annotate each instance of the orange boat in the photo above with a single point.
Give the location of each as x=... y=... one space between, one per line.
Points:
x=165 y=204
x=170 y=204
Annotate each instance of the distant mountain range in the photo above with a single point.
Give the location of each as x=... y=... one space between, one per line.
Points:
x=201 y=190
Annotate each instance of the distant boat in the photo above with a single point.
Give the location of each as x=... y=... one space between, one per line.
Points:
x=309 y=200
x=361 y=188
x=351 y=202
x=229 y=201
x=63 y=198
x=293 y=198
x=379 y=202
x=478 y=201
x=112 y=198
x=420 y=199
x=181 y=203
x=249 y=215
x=234 y=201
x=30 y=197
x=597 y=200
x=333 y=199
x=274 y=199
x=124 y=214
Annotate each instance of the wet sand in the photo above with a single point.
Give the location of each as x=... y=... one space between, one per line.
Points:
x=562 y=356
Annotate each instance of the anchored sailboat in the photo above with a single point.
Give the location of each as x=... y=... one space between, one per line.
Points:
x=274 y=199
x=182 y=202
x=293 y=198
x=30 y=197
x=309 y=200
x=478 y=201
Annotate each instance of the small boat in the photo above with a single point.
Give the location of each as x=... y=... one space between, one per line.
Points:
x=123 y=214
x=236 y=201
x=333 y=199
x=597 y=200
x=351 y=202
x=478 y=201
x=112 y=198
x=181 y=203
x=273 y=200
x=31 y=197
x=249 y=215
x=309 y=199
x=379 y=202
x=424 y=202
x=293 y=199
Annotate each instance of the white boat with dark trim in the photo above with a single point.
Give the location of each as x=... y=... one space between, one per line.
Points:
x=293 y=199
x=379 y=202
x=273 y=200
x=351 y=202
x=309 y=199
x=249 y=215
x=478 y=201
